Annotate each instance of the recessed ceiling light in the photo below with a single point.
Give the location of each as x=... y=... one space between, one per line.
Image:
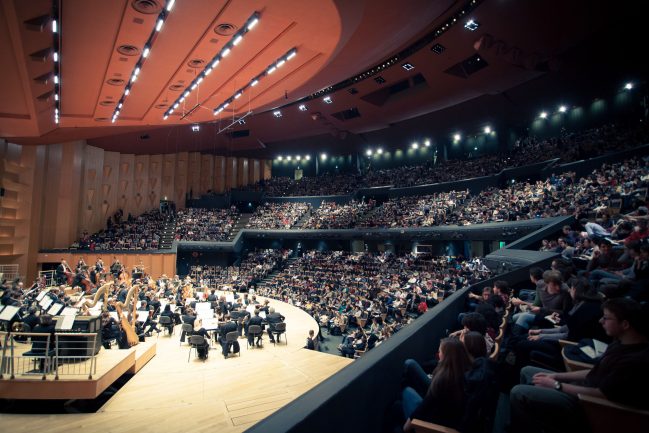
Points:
x=408 y=66
x=563 y=109
x=438 y=48
x=327 y=100
x=472 y=25
x=277 y=113
x=628 y=86
x=543 y=115
x=302 y=107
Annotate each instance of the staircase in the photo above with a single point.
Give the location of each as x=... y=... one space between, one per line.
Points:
x=167 y=237
x=241 y=223
x=303 y=219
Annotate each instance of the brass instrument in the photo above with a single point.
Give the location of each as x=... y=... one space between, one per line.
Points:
x=102 y=291
x=128 y=327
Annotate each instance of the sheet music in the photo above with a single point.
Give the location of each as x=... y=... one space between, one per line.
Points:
x=199 y=295
x=142 y=316
x=262 y=314
x=210 y=324
x=250 y=308
x=9 y=312
x=229 y=298
x=114 y=315
x=600 y=347
x=203 y=306
x=42 y=294
x=69 y=311
x=45 y=302
x=189 y=301
x=65 y=323
x=55 y=309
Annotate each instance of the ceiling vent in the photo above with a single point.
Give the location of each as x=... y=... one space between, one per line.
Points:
x=467 y=67
x=350 y=113
x=196 y=63
x=115 y=81
x=147 y=7
x=176 y=87
x=225 y=29
x=128 y=50
x=106 y=103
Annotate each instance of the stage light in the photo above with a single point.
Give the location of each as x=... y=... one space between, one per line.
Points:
x=302 y=107
x=254 y=82
x=487 y=129
x=563 y=109
x=277 y=113
x=472 y=25
x=170 y=5
x=158 y=26
x=543 y=115
x=379 y=151
x=368 y=152
x=327 y=100
x=427 y=143
x=415 y=145
x=628 y=86
x=196 y=127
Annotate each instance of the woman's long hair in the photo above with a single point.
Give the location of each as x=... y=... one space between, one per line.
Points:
x=448 y=377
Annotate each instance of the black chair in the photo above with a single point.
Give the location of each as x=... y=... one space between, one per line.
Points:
x=231 y=338
x=279 y=329
x=194 y=342
x=255 y=332
x=167 y=323
x=187 y=330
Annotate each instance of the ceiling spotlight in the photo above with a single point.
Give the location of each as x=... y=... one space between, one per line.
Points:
x=475 y=148
x=277 y=113
x=200 y=80
x=427 y=143
x=487 y=129
x=415 y=145
x=298 y=157
x=408 y=66
x=196 y=127
x=291 y=54
x=55 y=56
x=327 y=100
x=158 y=26
x=563 y=109
x=271 y=69
x=236 y=40
x=56 y=96
x=323 y=156
x=176 y=105
x=280 y=63
x=127 y=91
x=215 y=62
x=543 y=115
x=302 y=107
x=170 y=5
x=120 y=105
x=457 y=137
x=254 y=82
x=208 y=71
x=379 y=151
x=288 y=158
x=238 y=95
x=628 y=86
x=308 y=157
x=369 y=152
x=146 y=51
x=56 y=79
x=165 y=117
x=225 y=52
x=279 y=158
x=472 y=25
x=54 y=26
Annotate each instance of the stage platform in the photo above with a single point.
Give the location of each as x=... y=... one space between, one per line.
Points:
x=173 y=394
x=111 y=364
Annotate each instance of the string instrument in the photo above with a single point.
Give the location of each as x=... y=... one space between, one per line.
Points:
x=69 y=275
x=87 y=285
x=102 y=291
x=187 y=292
x=129 y=329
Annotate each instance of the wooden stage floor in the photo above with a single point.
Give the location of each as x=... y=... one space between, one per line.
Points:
x=170 y=394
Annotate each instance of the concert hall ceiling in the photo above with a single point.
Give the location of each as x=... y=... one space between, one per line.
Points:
x=379 y=62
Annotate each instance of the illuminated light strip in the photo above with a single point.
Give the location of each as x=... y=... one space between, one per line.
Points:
x=145 y=54
x=213 y=63
x=277 y=63
x=56 y=57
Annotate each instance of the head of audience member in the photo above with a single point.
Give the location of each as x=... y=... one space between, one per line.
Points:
x=536 y=274
x=475 y=322
x=486 y=293
x=475 y=344
x=580 y=290
x=553 y=281
x=501 y=287
x=623 y=319
x=46 y=320
x=448 y=377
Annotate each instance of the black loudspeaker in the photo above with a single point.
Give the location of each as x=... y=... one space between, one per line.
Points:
x=2 y=192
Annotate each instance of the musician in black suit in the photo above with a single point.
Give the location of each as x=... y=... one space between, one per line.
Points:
x=224 y=329
x=273 y=318
x=61 y=269
x=255 y=320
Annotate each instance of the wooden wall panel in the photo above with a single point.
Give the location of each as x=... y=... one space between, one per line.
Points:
x=181 y=182
x=194 y=186
x=219 y=174
x=242 y=171
x=109 y=186
x=207 y=174
x=230 y=173
x=141 y=183
x=90 y=211
x=125 y=184
x=155 y=264
x=154 y=184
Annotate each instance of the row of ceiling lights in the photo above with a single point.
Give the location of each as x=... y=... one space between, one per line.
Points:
x=227 y=48
x=269 y=70
x=296 y=157
x=56 y=36
x=563 y=108
x=145 y=53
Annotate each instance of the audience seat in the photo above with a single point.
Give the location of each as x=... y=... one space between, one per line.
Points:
x=604 y=416
x=280 y=328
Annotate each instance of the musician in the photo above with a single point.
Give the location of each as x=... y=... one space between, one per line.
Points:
x=31 y=319
x=273 y=318
x=81 y=265
x=116 y=268
x=255 y=320
x=61 y=272
x=46 y=326
x=227 y=327
x=109 y=329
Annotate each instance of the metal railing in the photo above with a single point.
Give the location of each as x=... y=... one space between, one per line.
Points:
x=65 y=354
x=49 y=277
x=8 y=272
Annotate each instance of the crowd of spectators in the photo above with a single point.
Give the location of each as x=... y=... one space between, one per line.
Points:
x=567 y=147
x=197 y=224
x=135 y=233
x=348 y=292
x=331 y=215
x=278 y=215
